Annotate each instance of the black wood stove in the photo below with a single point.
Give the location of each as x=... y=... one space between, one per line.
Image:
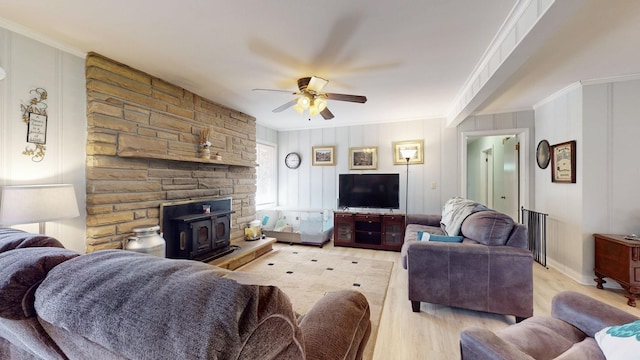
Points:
x=198 y=229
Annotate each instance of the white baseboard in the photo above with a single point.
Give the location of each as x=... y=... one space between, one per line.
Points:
x=580 y=278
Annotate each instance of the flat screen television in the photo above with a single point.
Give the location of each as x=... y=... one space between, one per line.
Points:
x=369 y=191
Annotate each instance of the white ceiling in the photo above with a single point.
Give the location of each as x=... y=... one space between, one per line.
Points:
x=411 y=58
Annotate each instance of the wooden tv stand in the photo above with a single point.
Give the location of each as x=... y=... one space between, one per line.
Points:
x=369 y=230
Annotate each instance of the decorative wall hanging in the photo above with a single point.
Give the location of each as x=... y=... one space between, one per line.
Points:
x=363 y=158
x=563 y=162
x=34 y=114
x=416 y=145
x=323 y=155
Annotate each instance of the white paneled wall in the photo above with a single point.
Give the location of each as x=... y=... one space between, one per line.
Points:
x=430 y=184
x=610 y=171
x=559 y=119
x=317 y=186
x=602 y=118
x=31 y=64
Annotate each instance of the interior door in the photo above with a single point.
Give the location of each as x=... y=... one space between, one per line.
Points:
x=510 y=197
x=486 y=177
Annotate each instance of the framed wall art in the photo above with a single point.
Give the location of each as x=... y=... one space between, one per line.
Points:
x=34 y=115
x=563 y=162
x=37 y=128
x=323 y=156
x=417 y=145
x=363 y=158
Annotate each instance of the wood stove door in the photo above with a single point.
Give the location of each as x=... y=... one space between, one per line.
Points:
x=201 y=237
x=221 y=226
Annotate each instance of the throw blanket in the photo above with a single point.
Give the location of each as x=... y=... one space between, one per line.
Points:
x=145 y=307
x=455 y=211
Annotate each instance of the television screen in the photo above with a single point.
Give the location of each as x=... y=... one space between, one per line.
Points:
x=369 y=191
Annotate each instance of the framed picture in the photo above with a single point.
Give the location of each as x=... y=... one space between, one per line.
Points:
x=363 y=158
x=37 y=129
x=323 y=155
x=416 y=145
x=563 y=162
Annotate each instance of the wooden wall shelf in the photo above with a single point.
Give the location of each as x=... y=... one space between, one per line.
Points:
x=144 y=147
x=149 y=155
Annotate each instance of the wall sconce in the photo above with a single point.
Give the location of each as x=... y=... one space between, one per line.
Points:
x=3 y=74
x=37 y=204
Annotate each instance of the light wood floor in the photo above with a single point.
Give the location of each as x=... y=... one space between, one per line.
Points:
x=434 y=332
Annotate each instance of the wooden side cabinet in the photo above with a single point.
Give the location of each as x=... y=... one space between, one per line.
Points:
x=368 y=230
x=618 y=259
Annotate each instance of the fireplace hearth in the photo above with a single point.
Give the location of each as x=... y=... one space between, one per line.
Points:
x=197 y=229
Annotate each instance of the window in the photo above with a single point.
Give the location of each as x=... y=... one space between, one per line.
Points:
x=267 y=175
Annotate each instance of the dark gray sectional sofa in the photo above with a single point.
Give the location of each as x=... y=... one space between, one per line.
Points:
x=118 y=304
x=489 y=270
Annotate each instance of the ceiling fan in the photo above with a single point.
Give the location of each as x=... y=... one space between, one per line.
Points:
x=311 y=98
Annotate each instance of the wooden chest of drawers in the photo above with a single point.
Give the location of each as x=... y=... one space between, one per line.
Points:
x=618 y=259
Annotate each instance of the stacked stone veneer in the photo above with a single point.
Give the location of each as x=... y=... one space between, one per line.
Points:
x=142 y=151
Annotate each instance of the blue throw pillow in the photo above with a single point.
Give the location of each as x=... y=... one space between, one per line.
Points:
x=443 y=238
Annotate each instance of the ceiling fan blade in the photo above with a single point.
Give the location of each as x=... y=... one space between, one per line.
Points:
x=317 y=84
x=285 y=106
x=326 y=114
x=345 y=97
x=274 y=90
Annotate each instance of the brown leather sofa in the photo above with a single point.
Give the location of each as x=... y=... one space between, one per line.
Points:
x=117 y=304
x=490 y=270
x=567 y=334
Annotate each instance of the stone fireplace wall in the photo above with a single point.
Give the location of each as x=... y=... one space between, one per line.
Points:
x=142 y=151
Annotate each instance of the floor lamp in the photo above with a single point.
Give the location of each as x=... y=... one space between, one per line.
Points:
x=37 y=204
x=407 y=154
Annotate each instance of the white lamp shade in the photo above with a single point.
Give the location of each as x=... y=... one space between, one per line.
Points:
x=408 y=153
x=37 y=203
x=3 y=74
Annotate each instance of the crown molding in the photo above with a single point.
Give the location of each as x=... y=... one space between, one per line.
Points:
x=611 y=79
x=557 y=94
x=32 y=34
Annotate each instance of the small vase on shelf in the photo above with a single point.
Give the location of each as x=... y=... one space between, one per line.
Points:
x=217 y=156
x=205 y=153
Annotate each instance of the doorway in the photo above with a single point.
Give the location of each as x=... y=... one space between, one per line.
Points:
x=493 y=172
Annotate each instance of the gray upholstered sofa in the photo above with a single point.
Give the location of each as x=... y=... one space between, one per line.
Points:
x=567 y=334
x=489 y=270
x=117 y=304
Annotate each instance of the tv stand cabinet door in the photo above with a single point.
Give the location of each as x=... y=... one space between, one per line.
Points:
x=393 y=232
x=343 y=229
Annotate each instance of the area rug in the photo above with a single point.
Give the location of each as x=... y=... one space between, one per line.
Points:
x=305 y=276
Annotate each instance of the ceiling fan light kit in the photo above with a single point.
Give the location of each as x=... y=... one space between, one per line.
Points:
x=312 y=99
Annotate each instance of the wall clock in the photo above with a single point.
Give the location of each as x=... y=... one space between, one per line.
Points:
x=543 y=154
x=292 y=160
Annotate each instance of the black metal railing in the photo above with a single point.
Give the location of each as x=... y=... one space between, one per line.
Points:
x=536 y=223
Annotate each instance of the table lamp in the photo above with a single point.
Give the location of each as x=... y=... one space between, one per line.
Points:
x=29 y=204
